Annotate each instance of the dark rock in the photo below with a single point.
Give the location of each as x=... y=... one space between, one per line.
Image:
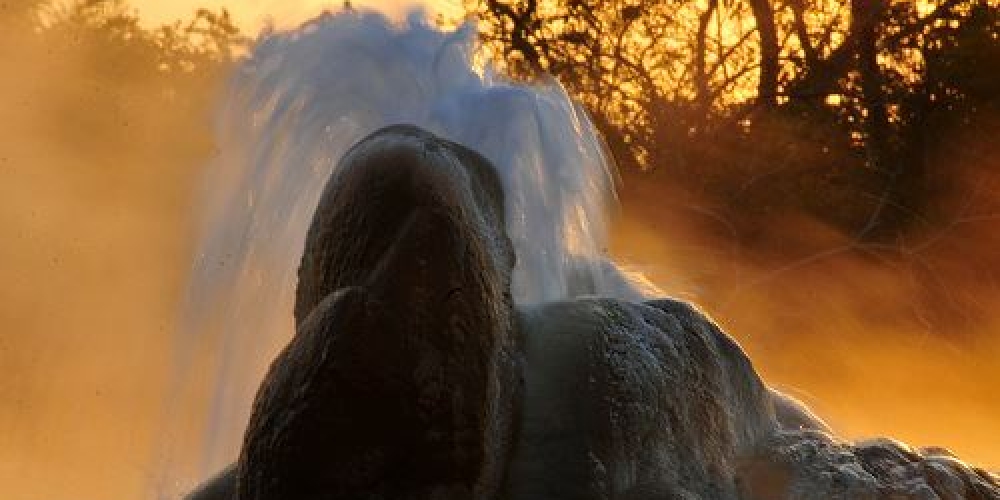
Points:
x=633 y=400
x=400 y=380
x=818 y=466
x=412 y=376
x=220 y=487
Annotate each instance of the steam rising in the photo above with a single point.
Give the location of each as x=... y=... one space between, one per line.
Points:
x=96 y=171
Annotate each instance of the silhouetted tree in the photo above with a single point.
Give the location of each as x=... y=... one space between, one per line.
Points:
x=113 y=91
x=738 y=97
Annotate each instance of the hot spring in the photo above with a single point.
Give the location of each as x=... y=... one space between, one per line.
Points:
x=290 y=112
x=643 y=399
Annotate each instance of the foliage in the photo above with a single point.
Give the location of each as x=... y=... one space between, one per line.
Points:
x=99 y=83
x=821 y=106
x=840 y=109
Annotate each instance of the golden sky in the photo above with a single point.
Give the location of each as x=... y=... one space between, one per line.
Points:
x=252 y=14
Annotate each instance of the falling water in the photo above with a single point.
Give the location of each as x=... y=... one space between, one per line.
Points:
x=295 y=106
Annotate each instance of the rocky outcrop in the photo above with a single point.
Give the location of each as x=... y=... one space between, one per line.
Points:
x=803 y=464
x=413 y=376
x=400 y=380
x=633 y=400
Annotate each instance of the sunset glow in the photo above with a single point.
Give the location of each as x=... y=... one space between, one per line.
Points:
x=763 y=218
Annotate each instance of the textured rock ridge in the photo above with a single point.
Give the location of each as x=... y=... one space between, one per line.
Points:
x=802 y=464
x=633 y=400
x=399 y=382
x=412 y=375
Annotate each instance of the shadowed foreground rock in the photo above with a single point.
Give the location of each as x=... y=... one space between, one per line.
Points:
x=807 y=464
x=412 y=376
x=399 y=382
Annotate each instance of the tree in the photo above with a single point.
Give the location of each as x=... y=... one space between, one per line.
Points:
x=770 y=66
x=719 y=92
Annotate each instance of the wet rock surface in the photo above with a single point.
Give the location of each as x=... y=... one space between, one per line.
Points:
x=801 y=464
x=400 y=380
x=413 y=376
x=633 y=400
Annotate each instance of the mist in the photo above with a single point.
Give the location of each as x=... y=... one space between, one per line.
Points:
x=98 y=165
x=895 y=338
x=100 y=170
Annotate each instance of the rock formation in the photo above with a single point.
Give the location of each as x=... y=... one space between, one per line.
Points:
x=413 y=376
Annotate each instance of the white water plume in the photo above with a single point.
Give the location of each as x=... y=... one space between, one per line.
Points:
x=295 y=106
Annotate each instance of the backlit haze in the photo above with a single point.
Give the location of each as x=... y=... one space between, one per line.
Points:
x=99 y=214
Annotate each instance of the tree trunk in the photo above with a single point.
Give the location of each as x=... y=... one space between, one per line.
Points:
x=701 y=76
x=866 y=16
x=802 y=33
x=767 y=87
